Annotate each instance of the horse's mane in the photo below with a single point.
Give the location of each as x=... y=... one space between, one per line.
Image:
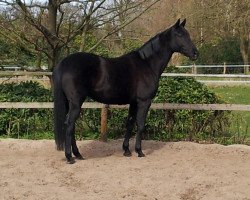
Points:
x=151 y=47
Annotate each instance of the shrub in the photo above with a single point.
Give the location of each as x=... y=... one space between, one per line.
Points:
x=185 y=124
x=23 y=122
x=170 y=125
x=173 y=125
x=226 y=50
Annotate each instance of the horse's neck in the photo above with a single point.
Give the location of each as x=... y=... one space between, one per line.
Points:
x=159 y=62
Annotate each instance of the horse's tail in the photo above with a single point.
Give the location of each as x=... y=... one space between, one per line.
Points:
x=60 y=109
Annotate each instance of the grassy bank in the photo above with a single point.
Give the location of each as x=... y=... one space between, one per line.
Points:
x=237 y=95
x=233 y=94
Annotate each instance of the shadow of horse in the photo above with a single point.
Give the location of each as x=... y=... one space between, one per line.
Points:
x=96 y=149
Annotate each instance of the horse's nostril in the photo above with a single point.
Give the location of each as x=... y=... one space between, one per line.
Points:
x=196 y=53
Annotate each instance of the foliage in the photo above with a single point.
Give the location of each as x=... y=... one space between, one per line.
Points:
x=130 y=45
x=107 y=49
x=52 y=37
x=224 y=50
x=170 y=125
x=186 y=124
x=11 y=53
x=220 y=51
x=90 y=41
x=173 y=125
x=23 y=122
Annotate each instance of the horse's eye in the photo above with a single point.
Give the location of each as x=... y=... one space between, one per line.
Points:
x=179 y=34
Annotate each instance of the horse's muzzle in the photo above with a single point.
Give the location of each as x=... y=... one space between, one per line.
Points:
x=195 y=55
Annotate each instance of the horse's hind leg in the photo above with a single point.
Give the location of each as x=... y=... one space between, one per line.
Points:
x=73 y=114
x=142 y=110
x=129 y=127
x=75 y=148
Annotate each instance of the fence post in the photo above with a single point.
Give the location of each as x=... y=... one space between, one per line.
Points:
x=224 y=68
x=246 y=69
x=104 y=120
x=194 y=69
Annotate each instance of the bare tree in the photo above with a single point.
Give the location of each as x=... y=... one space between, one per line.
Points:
x=49 y=27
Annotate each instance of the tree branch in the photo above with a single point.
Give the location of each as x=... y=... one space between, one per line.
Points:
x=122 y=26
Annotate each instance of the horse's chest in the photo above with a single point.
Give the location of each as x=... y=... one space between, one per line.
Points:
x=147 y=87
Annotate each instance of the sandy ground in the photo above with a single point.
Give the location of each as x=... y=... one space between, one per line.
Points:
x=187 y=171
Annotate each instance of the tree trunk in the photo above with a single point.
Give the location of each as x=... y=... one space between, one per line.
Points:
x=52 y=16
x=52 y=37
x=84 y=34
x=244 y=49
x=54 y=58
x=38 y=60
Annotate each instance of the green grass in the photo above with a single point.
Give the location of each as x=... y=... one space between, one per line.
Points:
x=31 y=136
x=237 y=95
x=233 y=94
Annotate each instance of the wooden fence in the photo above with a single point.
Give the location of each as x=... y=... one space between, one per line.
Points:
x=93 y=105
x=42 y=77
x=225 y=66
x=25 y=73
x=156 y=106
x=104 y=109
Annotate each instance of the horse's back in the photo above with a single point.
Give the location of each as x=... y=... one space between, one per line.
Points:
x=78 y=63
x=103 y=79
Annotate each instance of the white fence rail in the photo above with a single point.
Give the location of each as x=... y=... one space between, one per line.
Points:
x=207 y=75
x=212 y=66
x=25 y=73
x=235 y=79
x=157 y=106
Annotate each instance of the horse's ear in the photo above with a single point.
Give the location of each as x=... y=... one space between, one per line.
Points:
x=177 y=24
x=183 y=23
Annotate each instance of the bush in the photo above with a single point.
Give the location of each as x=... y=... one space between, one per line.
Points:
x=170 y=125
x=226 y=50
x=23 y=122
x=174 y=125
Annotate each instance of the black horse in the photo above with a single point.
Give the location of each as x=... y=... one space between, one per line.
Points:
x=130 y=79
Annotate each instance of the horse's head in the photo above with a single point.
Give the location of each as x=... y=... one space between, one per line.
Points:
x=181 y=42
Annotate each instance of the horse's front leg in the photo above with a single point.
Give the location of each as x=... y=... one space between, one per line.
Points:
x=129 y=127
x=142 y=110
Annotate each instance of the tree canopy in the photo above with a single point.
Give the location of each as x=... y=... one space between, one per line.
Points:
x=35 y=32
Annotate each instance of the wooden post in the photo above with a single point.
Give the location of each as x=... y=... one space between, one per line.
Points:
x=224 y=68
x=246 y=69
x=104 y=120
x=194 y=69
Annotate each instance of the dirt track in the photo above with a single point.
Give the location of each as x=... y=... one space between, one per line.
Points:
x=187 y=171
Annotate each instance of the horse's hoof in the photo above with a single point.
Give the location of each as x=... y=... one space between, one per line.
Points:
x=79 y=157
x=140 y=154
x=127 y=153
x=70 y=161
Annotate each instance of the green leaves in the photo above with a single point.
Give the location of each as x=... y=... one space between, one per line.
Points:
x=24 y=122
x=166 y=125
x=24 y=92
x=222 y=50
x=184 y=124
x=184 y=90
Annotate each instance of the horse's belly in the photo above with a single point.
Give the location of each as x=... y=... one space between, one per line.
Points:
x=111 y=97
